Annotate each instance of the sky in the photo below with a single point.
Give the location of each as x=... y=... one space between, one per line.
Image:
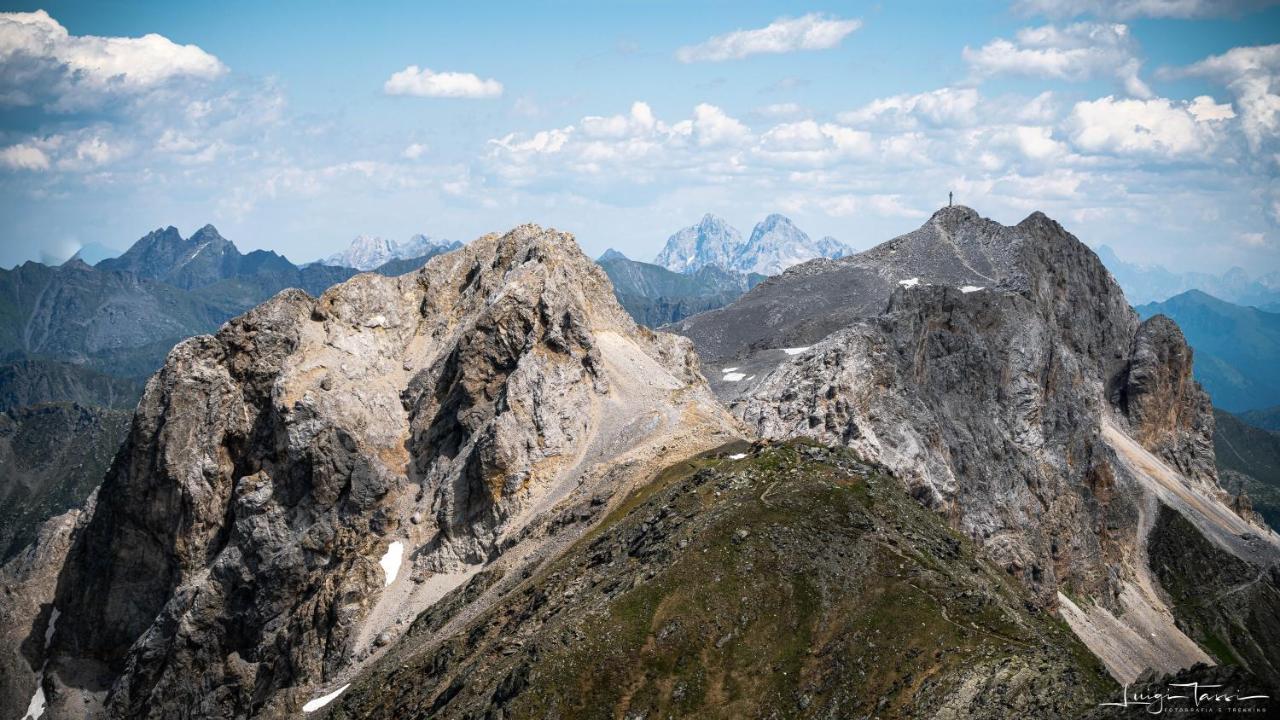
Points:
x=1152 y=126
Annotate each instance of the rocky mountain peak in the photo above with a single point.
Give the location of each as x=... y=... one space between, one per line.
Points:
x=444 y=418
x=165 y=255
x=711 y=242
x=1000 y=371
x=208 y=233
x=368 y=252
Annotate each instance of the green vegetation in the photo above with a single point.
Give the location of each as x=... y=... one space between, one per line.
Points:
x=798 y=582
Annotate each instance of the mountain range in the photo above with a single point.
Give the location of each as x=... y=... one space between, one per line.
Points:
x=656 y=296
x=774 y=245
x=368 y=252
x=1237 y=348
x=1152 y=283
x=121 y=316
x=955 y=475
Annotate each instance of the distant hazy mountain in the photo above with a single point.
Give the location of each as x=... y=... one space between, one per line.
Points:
x=1249 y=461
x=206 y=259
x=611 y=254
x=775 y=245
x=369 y=253
x=53 y=456
x=1237 y=349
x=1265 y=418
x=29 y=382
x=711 y=242
x=654 y=295
x=1152 y=283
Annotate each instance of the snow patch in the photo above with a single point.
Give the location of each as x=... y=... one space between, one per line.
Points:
x=733 y=377
x=737 y=456
x=53 y=623
x=910 y=282
x=796 y=351
x=728 y=370
x=391 y=561
x=36 y=708
x=320 y=702
x=970 y=288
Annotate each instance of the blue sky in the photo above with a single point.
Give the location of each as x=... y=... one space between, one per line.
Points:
x=1149 y=125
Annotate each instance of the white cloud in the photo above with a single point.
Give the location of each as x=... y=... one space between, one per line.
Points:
x=1126 y=9
x=414 y=151
x=942 y=107
x=1074 y=53
x=640 y=121
x=423 y=82
x=711 y=126
x=1250 y=73
x=41 y=63
x=631 y=147
x=809 y=32
x=1160 y=128
x=808 y=143
x=24 y=157
x=1253 y=239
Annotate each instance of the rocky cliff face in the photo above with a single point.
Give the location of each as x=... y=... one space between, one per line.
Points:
x=1168 y=411
x=1032 y=410
x=432 y=421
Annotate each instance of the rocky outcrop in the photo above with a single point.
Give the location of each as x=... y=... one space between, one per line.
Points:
x=28 y=581
x=430 y=421
x=1168 y=411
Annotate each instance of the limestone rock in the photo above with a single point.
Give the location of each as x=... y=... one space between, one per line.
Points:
x=233 y=558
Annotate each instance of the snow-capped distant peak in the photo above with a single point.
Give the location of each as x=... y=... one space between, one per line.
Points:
x=368 y=252
x=775 y=245
x=711 y=242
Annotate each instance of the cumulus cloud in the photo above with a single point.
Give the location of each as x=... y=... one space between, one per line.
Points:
x=1159 y=128
x=633 y=147
x=941 y=108
x=1128 y=9
x=43 y=64
x=812 y=144
x=809 y=32
x=710 y=126
x=1076 y=52
x=414 y=151
x=24 y=157
x=423 y=82
x=1250 y=74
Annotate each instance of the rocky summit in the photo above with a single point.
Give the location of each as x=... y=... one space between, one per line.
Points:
x=297 y=486
x=952 y=476
x=1001 y=374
